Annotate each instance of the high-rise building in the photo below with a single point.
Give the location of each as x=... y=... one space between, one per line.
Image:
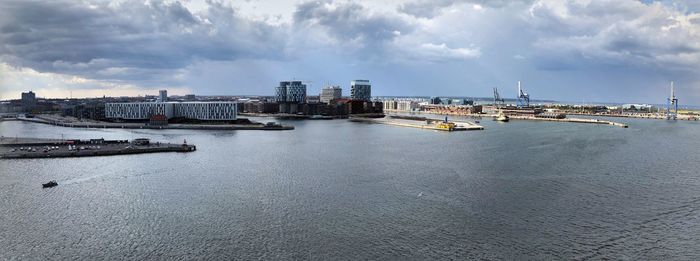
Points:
x=289 y=94
x=28 y=100
x=163 y=95
x=360 y=90
x=281 y=92
x=330 y=93
x=296 y=92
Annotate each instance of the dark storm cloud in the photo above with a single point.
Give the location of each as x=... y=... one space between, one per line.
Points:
x=127 y=41
x=351 y=22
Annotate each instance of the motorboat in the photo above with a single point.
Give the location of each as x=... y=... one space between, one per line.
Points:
x=50 y=184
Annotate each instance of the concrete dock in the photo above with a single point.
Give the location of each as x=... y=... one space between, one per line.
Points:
x=26 y=148
x=574 y=120
x=420 y=124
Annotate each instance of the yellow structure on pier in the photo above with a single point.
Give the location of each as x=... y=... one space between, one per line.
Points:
x=448 y=126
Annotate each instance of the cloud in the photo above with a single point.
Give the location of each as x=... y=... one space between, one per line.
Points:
x=245 y=47
x=15 y=80
x=351 y=23
x=617 y=32
x=440 y=52
x=432 y=8
x=128 y=40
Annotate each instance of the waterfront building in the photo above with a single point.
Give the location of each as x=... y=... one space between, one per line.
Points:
x=330 y=93
x=207 y=111
x=389 y=105
x=360 y=90
x=190 y=97
x=296 y=92
x=451 y=109
x=281 y=92
x=28 y=100
x=138 y=110
x=94 y=110
x=406 y=105
x=259 y=107
x=289 y=94
x=158 y=120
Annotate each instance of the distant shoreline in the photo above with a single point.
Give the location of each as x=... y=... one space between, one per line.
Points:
x=112 y=125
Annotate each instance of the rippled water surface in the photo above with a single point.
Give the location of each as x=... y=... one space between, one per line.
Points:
x=334 y=190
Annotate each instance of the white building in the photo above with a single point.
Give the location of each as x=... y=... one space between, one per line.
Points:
x=210 y=111
x=330 y=93
x=138 y=110
x=389 y=105
x=206 y=111
x=406 y=105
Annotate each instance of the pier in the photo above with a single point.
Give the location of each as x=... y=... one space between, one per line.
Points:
x=574 y=120
x=29 y=148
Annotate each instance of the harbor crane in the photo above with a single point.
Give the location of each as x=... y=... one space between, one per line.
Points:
x=523 y=97
x=672 y=105
x=498 y=101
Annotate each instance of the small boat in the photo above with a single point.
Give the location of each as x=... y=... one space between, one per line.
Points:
x=50 y=184
x=502 y=117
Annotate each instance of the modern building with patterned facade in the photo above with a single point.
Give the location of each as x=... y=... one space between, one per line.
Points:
x=289 y=94
x=138 y=110
x=360 y=90
x=330 y=93
x=208 y=111
x=291 y=91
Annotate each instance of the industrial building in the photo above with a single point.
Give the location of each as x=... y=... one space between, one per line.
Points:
x=360 y=90
x=330 y=93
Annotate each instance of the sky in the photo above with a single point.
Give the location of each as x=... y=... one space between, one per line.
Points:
x=565 y=50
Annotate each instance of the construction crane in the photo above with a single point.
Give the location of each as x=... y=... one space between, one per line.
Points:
x=498 y=101
x=672 y=105
x=523 y=97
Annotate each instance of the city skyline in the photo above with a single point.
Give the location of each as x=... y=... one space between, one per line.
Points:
x=601 y=51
